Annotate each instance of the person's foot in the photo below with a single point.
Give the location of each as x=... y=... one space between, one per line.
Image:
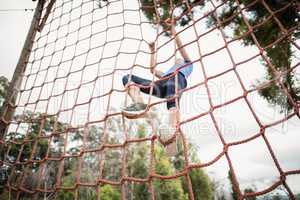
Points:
x=166 y=135
x=135 y=109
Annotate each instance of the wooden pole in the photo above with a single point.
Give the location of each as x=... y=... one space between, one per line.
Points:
x=8 y=108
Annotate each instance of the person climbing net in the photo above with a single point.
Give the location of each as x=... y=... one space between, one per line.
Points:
x=62 y=134
x=169 y=85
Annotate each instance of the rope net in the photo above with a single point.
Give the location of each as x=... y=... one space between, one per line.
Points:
x=67 y=120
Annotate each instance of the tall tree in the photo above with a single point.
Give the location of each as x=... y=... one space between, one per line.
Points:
x=3 y=171
x=266 y=29
x=267 y=18
x=21 y=143
x=165 y=189
x=202 y=186
x=233 y=192
x=160 y=11
x=249 y=190
x=30 y=142
x=138 y=166
x=3 y=89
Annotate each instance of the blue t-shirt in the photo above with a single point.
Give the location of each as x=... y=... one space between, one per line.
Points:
x=186 y=70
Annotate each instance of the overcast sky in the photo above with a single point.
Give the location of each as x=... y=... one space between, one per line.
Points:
x=252 y=160
x=13 y=34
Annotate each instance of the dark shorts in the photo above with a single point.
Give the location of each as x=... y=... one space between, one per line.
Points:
x=162 y=88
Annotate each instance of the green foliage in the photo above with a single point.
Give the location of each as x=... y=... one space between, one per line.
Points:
x=249 y=190
x=21 y=144
x=165 y=189
x=163 y=11
x=267 y=32
x=109 y=193
x=3 y=89
x=201 y=184
x=234 y=194
x=202 y=187
x=169 y=190
x=266 y=29
x=34 y=125
x=65 y=195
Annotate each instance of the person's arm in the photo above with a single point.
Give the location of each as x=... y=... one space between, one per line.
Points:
x=155 y=72
x=181 y=49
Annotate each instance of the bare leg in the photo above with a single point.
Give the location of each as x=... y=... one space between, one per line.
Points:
x=138 y=108
x=173 y=117
x=135 y=94
x=168 y=132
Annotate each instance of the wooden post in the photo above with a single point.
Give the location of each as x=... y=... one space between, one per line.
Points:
x=8 y=108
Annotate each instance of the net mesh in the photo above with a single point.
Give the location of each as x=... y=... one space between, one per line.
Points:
x=67 y=108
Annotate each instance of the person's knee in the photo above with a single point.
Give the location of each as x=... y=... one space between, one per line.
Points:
x=125 y=79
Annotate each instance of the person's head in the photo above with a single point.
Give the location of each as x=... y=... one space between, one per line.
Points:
x=179 y=61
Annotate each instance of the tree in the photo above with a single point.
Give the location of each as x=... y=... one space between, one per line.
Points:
x=165 y=189
x=138 y=163
x=234 y=194
x=37 y=124
x=20 y=144
x=267 y=32
x=138 y=166
x=163 y=11
x=20 y=147
x=276 y=197
x=249 y=190
x=3 y=171
x=109 y=193
x=202 y=186
x=96 y=136
x=34 y=123
x=3 y=89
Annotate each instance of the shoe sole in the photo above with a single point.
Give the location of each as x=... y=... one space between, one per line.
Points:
x=133 y=113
